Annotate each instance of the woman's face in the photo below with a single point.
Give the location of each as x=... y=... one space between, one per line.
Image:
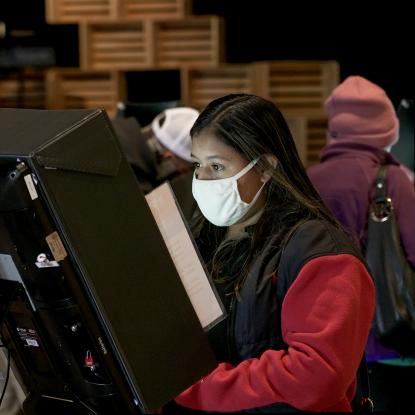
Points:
x=215 y=160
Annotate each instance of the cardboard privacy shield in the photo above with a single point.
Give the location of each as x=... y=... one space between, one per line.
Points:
x=103 y=301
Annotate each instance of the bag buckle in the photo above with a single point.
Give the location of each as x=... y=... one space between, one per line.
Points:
x=366 y=406
x=381 y=210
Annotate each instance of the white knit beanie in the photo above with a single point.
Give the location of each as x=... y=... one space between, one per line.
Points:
x=174 y=133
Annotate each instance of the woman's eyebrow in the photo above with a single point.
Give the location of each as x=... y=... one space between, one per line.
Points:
x=215 y=156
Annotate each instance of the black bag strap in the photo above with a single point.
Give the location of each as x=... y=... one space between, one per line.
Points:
x=365 y=403
x=381 y=206
x=381 y=185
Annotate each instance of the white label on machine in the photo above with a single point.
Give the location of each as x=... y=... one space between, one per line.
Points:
x=31 y=186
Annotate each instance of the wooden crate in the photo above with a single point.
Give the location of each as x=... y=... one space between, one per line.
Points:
x=192 y=42
x=200 y=86
x=153 y=9
x=298 y=127
x=77 y=11
x=316 y=137
x=309 y=134
x=25 y=89
x=116 y=46
x=297 y=86
x=73 y=88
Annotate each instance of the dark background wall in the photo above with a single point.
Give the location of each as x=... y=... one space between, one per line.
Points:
x=375 y=42
x=26 y=28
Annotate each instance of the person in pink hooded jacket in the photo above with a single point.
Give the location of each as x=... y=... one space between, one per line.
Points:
x=362 y=128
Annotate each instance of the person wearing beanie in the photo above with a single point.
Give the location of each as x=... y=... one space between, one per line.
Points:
x=362 y=127
x=160 y=151
x=170 y=138
x=360 y=112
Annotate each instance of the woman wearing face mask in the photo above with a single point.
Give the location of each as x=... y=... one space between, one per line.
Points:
x=299 y=298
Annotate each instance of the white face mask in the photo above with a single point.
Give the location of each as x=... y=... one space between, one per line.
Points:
x=219 y=200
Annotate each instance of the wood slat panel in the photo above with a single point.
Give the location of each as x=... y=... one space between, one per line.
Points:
x=24 y=90
x=72 y=88
x=191 y=42
x=77 y=11
x=115 y=46
x=297 y=85
x=200 y=86
x=298 y=127
x=80 y=11
x=153 y=9
x=316 y=138
x=309 y=133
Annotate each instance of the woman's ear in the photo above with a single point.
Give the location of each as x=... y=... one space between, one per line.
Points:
x=267 y=173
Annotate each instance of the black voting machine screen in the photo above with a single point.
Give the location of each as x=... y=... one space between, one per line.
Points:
x=93 y=310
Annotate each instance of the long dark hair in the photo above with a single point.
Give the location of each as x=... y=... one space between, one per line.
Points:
x=254 y=126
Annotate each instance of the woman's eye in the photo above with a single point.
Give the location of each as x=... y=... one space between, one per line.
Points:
x=196 y=165
x=217 y=167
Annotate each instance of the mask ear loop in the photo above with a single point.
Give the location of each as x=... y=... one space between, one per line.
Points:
x=258 y=193
x=245 y=169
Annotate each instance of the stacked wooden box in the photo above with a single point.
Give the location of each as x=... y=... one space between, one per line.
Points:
x=25 y=88
x=74 y=88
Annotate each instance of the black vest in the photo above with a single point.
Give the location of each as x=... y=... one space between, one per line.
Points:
x=256 y=319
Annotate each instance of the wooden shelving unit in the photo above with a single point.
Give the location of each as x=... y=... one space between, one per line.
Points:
x=120 y=36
